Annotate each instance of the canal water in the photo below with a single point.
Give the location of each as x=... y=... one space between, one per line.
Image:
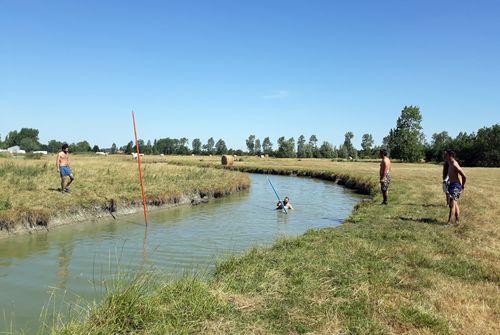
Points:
x=72 y=261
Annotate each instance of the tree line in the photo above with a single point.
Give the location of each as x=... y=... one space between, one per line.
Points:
x=405 y=142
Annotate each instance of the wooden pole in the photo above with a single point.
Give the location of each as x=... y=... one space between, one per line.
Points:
x=140 y=171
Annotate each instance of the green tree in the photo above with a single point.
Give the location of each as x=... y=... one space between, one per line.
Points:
x=286 y=148
x=406 y=141
x=326 y=150
x=54 y=146
x=196 y=145
x=209 y=147
x=301 y=147
x=313 y=147
x=267 y=146
x=183 y=146
x=95 y=148
x=348 y=149
x=440 y=142
x=220 y=147
x=129 y=148
x=29 y=144
x=367 y=144
x=250 y=142
x=258 y=147
x=113 y=149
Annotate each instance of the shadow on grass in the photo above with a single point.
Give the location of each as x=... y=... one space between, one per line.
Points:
x=423 y=220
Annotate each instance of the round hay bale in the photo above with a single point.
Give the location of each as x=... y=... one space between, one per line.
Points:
x=227 y=160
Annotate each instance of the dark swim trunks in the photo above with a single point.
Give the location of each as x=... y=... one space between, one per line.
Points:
x=454 y=190
x=65 y=171
x=384 y=185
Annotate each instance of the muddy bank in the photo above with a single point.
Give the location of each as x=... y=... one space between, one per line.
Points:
x=28 y=221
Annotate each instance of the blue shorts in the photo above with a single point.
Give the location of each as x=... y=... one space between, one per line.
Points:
x=65 y=171
x=454 y=190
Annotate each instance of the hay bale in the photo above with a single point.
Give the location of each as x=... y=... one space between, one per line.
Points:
x=227 y=160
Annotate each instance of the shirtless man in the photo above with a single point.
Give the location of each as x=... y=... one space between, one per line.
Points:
x=455 y=187
x=287 y=203
x=63 y=168
x=385 y=174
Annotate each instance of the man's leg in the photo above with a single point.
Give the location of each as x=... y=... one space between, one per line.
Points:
x=62 y=183
x=71 y=178
x=457 y=212
x=452 y=210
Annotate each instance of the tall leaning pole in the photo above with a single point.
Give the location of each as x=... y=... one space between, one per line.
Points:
x=143 y=195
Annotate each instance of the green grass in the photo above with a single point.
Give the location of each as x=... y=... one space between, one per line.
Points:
x=30 y=195
x=388 y=270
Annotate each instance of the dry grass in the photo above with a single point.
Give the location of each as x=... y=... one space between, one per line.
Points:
x=30 y=193
x=392 y=269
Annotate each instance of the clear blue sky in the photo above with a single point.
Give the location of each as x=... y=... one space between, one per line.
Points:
x=226 y=69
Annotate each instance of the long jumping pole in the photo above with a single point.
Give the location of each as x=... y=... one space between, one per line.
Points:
x=140 y=171
x=277 y=196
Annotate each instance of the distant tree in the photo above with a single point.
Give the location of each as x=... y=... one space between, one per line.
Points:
x=220 y=147
x=367 y=144
x=95 y=148
x=251 y=144
x=313 y=147
x=196 y=145
x=440 y=142
x=29 y=144
x=209 y=147
x=348 y=149
x=1 y=143
x=286 y=148
x=129 y=148
x=267 y=146
x=326 y=150
x=113 y=149
x=301 y=146
x=183 y=146
x=257 y=147
x=82 y=147
x=406 y=141
x=148 y=148
x=54 y=146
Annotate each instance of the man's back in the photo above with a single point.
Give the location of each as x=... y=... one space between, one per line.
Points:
x=453 y=168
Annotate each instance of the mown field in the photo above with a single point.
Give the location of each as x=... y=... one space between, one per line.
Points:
x=395 y=269
x=30 y=188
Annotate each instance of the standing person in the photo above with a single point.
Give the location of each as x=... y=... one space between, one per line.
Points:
x=456 y=186
x=446 y=179
x=62 y=163
x=385 y=174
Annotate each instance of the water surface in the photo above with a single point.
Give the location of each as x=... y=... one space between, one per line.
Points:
x=70 y=260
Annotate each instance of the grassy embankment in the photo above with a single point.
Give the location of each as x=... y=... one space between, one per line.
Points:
x=389 y=269
x=30 y=197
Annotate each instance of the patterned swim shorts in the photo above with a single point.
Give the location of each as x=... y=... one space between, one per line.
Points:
x=384 y=185
x=454 y=189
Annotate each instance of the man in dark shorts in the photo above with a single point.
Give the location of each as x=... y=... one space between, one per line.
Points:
x=63 y=168
x=385 y=174
x=456 y=187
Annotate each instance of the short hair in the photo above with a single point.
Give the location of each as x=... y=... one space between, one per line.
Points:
x=65 y=146
x=451 y=153
x=383 y=152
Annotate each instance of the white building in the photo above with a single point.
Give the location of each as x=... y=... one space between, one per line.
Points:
x=16 y=150
x=43 y=152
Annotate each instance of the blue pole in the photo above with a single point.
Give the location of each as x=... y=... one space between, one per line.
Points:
x=277 y=196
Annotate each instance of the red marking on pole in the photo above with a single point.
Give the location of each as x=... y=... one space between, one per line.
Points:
x=140 y=171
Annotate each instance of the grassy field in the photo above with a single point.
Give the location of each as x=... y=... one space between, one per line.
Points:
x=30 y=195
x=393 y=269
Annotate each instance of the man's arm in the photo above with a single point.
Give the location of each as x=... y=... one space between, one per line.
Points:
x=445 y=170
x=382 y=170
x=462 y=174
x=57 y=162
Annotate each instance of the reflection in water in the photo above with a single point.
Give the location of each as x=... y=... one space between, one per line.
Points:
x=81 y=258
x=64 y=259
